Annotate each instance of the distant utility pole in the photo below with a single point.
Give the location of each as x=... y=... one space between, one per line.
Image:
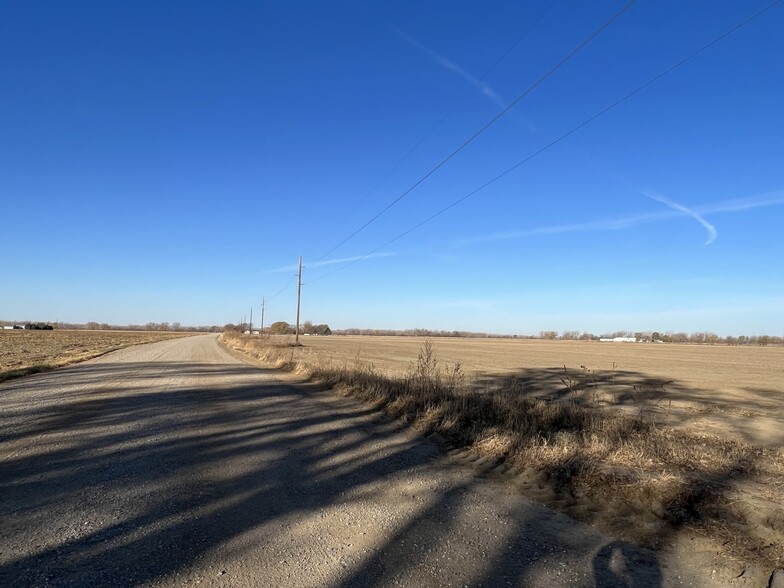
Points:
x=262 y=317
x=250 y=325
x=299 y=290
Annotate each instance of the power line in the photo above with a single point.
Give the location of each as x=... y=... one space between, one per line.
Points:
x=492 y=121
x=286 y=285
x=561 y=137
x=446 y=115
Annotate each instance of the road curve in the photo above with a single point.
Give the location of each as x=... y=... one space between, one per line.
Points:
x=176 y=463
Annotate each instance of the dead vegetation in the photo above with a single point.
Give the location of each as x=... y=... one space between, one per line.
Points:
x=24 y=352
x=620 y=469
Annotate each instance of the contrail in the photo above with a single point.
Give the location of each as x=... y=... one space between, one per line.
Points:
x=599 y=225
x=775 y=198
x=450 y=65
x=291 y=268
x=712 y=233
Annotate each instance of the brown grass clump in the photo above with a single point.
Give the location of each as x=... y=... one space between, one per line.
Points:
x=600 y=464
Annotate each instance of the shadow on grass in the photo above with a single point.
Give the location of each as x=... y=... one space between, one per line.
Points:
x=28 y=371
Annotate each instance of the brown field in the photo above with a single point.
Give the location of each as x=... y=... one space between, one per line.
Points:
x=26 y=352
x=736 y=391
x=648 y=441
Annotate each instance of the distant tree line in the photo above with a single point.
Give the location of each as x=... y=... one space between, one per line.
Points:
x=95 y=326
x=152 y=326
x=283 y=328
x=309 y=328
x=700 y=337
x=420 y=333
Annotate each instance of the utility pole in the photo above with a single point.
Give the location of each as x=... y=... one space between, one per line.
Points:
x=261 y=330
x=299 y=289
x=250 y=325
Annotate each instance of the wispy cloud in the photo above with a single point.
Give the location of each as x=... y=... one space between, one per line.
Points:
x=449 y=65
x=740 y=204
x=600 y=225
x=712 y=232
x=293 y=268
x=350 y=259
x=735 y=205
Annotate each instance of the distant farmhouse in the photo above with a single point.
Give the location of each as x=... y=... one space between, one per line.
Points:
x=620 y=340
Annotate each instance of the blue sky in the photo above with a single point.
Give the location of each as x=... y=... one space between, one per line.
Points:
x=168 y=161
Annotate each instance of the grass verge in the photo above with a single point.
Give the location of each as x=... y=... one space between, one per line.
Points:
x=640 y=480
x=27 y=371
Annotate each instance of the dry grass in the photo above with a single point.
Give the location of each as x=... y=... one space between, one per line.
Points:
x=27 y=352
x=730 y=376
x=573 y=449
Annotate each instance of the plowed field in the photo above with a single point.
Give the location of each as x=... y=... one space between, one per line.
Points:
x=24 y=351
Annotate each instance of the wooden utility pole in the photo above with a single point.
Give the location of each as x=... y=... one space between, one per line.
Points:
x=299 y=290
x=250 y=324
x=261 y=330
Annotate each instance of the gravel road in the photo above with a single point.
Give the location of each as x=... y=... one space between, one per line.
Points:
x=177 y=463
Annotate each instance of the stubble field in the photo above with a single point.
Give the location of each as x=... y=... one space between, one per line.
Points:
x=25 y=352
x=734 y=391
